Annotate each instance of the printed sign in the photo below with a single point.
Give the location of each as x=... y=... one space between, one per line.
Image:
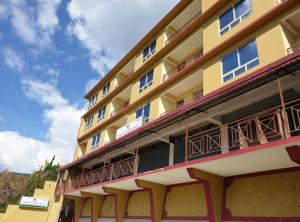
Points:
x=34 y=202
x=138 y=122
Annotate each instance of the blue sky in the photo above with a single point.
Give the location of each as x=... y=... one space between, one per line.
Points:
x=51 y=53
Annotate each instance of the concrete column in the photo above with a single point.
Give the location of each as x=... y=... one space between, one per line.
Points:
x=171 y=154
x=213 y=185
x=224 y=139
x=97 y=201
x=121 y=198
x=157 y=195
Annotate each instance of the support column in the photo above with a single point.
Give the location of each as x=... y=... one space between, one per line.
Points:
x=171 y=154
x=79 y=202
x=121 y=198
x=224 y=139
x=213 y=186
x=97 y=201
x=157 y=195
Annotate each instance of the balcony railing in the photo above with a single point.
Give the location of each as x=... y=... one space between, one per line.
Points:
x=293 y=48
x=107 y=173
x=184 y=27
x=261 y=128
x=186 y=63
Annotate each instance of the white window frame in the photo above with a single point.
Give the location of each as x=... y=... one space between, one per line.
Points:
x=149 y=52
x=102 y=116
x=89 y=122
x=147 y=84
x=93 y=100
x=239 y=67
x=95 y=146
x=240 y=18
x=105 y=92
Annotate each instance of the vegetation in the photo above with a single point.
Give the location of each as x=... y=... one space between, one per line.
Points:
x=14 y=185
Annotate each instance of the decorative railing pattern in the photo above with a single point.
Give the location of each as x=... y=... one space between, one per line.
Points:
x=264 y=127
x=184 y=27
x=110 y=172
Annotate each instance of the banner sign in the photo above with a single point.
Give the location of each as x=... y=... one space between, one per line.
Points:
x=138 y=122
x=34 y=202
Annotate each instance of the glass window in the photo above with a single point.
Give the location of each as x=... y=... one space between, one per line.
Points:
x=145 y=112
x=233 y=16
x=89 y=122
x=95 y=141
x=105 y=89
x=149 y=50
x=101 y=113
x=240 y=61
x=93 y=100
x=146 y=81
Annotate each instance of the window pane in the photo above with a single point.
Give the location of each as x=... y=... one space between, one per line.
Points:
x=139 y=113
x=146 y=110
x=248 y=52
x=226 y=18
x=229 y=62
x=146 y=52
x=152 y=46
x=150 y=76
x=241 y=7
x=142 y=81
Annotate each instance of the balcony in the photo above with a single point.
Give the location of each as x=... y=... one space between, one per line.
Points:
x=263 y=127
x=109 y=172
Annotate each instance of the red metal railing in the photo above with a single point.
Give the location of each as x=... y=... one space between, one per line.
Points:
x=186 y=63
x=264 y=127
x=107 y=173
x=184 y=27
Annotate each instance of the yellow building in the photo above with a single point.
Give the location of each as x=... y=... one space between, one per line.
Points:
x=200 y=121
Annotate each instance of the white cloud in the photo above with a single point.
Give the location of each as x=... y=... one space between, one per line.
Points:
x=108 y=29
x=34 y=25
x=12 y=59
x=90 y=84
x=24 y=154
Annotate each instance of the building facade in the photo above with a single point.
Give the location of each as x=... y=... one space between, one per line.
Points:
x=200 y=121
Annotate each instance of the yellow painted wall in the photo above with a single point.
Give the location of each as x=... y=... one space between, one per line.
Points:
x=267 y=53
x=16 y=214
x=187 y=200
x=135 y=94
x=160 y=43
x=108 y=207
x=139 y=204
x=206 y=4
x=276 y=195
x=86 y=210
x=211 y=36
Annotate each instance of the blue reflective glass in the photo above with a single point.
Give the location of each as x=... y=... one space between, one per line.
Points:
x=142 y=81
x=147 y=110
x=240 y=71
x=252 y=64
x=150 y=76
x=152 y=46
x=139 y=113
x=146 y=52
x=230 y=62
x=226 y=18
x=96 y=139
x=241 y=7
x=248 y=52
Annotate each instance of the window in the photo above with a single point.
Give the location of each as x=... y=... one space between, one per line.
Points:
x=233 y=16
x=101 y=113
x=89 y=122
x=146 y=81
x=105 y=89
x=145 y=112
x=240 y=61
x=149 y=50
x=95 y=141
x=93 y=100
